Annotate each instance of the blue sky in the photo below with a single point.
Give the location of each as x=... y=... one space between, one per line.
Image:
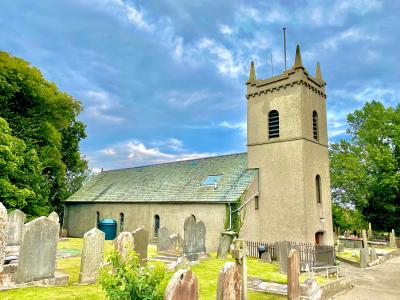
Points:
x=164 y=80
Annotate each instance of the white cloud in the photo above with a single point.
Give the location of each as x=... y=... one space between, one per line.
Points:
x=225 y=29
x=242 y=126
x=100 y=105
x=171 y=143
x=349 y=35
x=136 y=153
x=183 y=100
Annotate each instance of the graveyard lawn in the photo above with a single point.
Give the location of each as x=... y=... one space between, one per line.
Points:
x=348 y=253
x=207 y=272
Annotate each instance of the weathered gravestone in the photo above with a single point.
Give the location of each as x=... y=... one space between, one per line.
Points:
x=340 y=247
x=392 y=239
x=16 y=220
x=92 y=255
x=174 y=240
x=37 y=256
x=200 y=237
x=3 y=234
x=141 y=243
x=163 y=239
x=373 y=254
x=229 y=283
x=224 y=246
x=182 y=286
x=293 y=272
x=239 y=253
x=124 y=244
x=54 y=217
x=189 y=248
x=266 y=257
x=364 y=238
x=369 y=230
x=283 y=249
x=364 y=257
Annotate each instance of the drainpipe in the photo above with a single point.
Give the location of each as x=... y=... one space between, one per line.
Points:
x=238 y=209
x=230 y=217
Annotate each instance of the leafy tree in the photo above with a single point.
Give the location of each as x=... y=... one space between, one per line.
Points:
x=365 y=169
x=46 y=120
x=21 y=183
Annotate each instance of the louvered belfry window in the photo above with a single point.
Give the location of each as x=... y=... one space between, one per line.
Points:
x=315 y=124
x=273 y=124
x=318 y=188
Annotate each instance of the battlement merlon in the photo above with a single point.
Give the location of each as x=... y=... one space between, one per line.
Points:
x=295 y=75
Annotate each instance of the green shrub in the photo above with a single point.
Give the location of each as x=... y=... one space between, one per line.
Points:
x=126 y=279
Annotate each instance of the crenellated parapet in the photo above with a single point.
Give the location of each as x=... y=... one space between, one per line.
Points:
x=297 y=75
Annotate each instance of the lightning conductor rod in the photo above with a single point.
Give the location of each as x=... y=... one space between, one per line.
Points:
x=284 y=44
x=272 y=66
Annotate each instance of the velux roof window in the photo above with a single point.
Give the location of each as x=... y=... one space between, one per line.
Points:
x=211 y=180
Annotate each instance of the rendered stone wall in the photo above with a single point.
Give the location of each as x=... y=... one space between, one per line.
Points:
x=81 y=217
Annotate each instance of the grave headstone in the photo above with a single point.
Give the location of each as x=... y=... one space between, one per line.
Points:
x=3 y=234
x=229 y=285
x=266 y=257
x=37 y=256
x=392 y=239
x=189 y=248
x=239 y=253
x=54 y=217
x=141 y=243
x=182 y=286
x=283 y=249
x=364 y=257
x=16 y=220
x=364 y=238
x=124 y=244
x=340 y=247
x=174 y=241
x=293 y=272
x=92 y=255
x=369 y=230
x=224 y=246
x=373 y=254
x=200 y=237
x=163 y=239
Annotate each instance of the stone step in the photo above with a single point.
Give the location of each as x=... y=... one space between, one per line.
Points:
x=170 y=253
x=166 y=257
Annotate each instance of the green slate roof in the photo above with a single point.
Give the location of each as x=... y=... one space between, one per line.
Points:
x=179 y=181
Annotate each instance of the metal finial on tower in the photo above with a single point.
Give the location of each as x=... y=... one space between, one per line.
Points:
x=284 y=45
x=252 y=76
x=297 y=61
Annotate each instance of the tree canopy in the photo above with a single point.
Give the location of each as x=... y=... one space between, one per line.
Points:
x=44 y=120
x=365 y=169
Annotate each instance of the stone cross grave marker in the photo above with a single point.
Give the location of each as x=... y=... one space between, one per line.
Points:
x=239 y=253
x=92 y=255
x=364 y=238
x=392 y=239
x=37 y=256
x=182 y=286
x=229 y=285
x=16 y=220
x=189 y=248
x=369 y=230
x=293 y=272
x=224 y=246
x=163 y=239
x=3 y=234
x=141 y=243
x=200 y=237
x=124 y=244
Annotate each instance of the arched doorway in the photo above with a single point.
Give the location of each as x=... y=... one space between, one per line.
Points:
x=319 y=238
x=156 y=224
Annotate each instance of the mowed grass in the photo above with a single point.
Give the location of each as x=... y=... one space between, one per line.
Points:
x=207 y=273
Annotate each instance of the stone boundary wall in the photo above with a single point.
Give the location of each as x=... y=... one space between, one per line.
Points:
x=384 y=258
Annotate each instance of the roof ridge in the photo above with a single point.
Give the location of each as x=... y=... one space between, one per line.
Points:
x=176 y=161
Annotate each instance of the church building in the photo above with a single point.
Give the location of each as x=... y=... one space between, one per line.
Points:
x=278 y=190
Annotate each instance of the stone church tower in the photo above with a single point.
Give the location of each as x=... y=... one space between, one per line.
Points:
x=287 y=141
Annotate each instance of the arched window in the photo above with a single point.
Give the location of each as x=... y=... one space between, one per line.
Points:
x=121 y=222
x=318 y=188
x=156 y=224
x=315 y=124
x=273 y=124
x=97 y=218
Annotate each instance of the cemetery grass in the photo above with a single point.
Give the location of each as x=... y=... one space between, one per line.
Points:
x=348 y=253
x=207 y=273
